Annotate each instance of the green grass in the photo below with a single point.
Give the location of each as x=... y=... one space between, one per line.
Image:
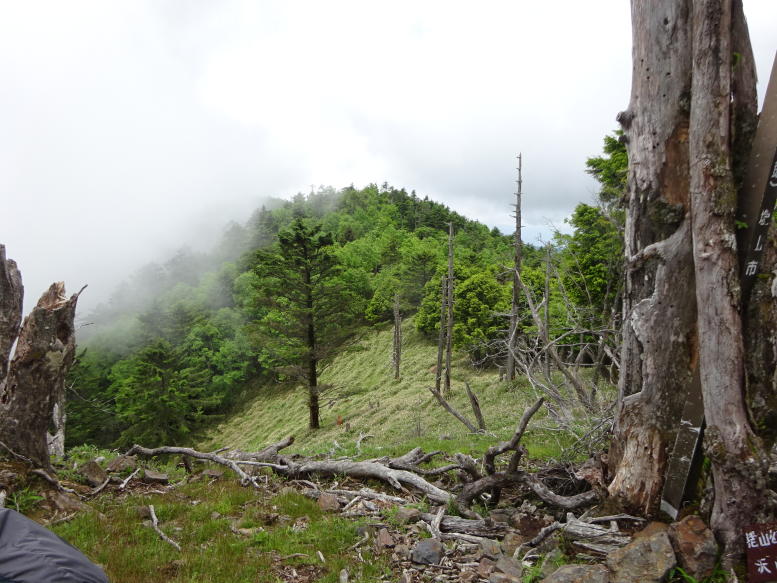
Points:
x=398 y=414
x=282 y=530
x=201 y=518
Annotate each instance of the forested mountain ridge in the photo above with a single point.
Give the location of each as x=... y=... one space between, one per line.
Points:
x=181 y=343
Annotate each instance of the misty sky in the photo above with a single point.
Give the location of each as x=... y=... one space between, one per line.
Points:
x=130 y=128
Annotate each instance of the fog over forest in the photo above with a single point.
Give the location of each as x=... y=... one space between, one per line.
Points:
x=133 y=129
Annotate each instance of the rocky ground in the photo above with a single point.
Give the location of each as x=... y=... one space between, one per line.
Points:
x=522 y=540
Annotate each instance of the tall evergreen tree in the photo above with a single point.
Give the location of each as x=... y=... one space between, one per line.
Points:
x=309 y=303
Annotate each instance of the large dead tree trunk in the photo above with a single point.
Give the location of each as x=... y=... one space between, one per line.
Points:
x=688 y=126
x=739 y=464
x=659 y=333
x=512 y=333
x=449 y=320
x=35 y=380
x=11 y=295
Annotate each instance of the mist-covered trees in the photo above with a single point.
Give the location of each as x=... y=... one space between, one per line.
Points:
x=279 y=294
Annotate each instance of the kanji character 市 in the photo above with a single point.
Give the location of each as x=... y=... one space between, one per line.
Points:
x=751 y=539
x=762 y=566
x=751 y=268
x=763 y=218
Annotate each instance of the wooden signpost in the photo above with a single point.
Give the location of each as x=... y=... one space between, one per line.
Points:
x=761 y=545
x=756 y=212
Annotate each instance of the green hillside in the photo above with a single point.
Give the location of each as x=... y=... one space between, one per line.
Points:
x=292 y=314
x=399 y=415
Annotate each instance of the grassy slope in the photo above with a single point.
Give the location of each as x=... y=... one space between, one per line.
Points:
x=398 y=414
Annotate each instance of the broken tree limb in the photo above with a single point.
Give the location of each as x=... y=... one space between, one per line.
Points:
x=162 y=535
x=365 y=470
x=447 y=406
x=489 y=459
x=468 y=526
x=267 y=454
x=434 y=525
x=366 y=493
x=127 y=480
x=503 y=479
x=245 y=479
x=473 y=400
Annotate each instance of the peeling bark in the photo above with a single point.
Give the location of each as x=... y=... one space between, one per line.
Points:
x=689 y=128
x=11 y=294
x=657 y=355
x=36 y=377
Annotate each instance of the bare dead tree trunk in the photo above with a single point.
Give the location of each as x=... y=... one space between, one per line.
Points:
x=512 y=334
x=396 y=354
x=35 y=381
x=449 y=327
x=659 y=329
x=11 y=296
x=689 y=128
x=441 y=335
x=739 y=464
x=546 y=312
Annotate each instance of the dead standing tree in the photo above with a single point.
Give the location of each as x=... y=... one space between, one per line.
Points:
x=688 y=129
x=512 y=333
x=32 y=386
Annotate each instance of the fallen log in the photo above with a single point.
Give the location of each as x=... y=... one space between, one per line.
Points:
x=267 y=454
x=364 y=470
x=479 y=528
x=245 y=479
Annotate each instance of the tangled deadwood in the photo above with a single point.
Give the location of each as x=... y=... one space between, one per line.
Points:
x=403 y=473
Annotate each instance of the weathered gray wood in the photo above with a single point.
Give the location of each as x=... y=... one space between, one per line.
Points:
x=449 y=408
x=659 y=305
x=11 y=295
x=396 y=352
x=739 y=464
x=245 y=479
x=441 y=333
x=35 y=382
x=449 y=318
x=512 y=333
x=473 y=401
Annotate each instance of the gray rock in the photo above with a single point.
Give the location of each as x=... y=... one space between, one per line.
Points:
x=512 y=541
x=500 y=515
x=509 y=566
x=367 y=529
x=384 y=540
x=212 y=474
x=503 y=578
x=407 y=515
x=402 y=552
x=429 y=551
x=695 y=545
x=328 y=503
x=486 y=567
x=551 y=562
x=579 y=574
x=92 y=473
x=122 y=463
x=646 y=559
x=491 y=548
x=154 y=477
